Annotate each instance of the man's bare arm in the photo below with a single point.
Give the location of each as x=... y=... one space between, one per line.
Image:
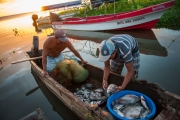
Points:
x=129 y=74
x=70 y=46
x=106 y=74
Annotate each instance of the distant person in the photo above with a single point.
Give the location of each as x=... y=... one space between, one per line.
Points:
x=52 y=51
x=117 y=51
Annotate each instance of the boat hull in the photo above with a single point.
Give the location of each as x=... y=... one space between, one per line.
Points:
x=145 y=18
x=165 y=101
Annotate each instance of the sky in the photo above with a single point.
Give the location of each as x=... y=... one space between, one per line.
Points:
x=11 y=7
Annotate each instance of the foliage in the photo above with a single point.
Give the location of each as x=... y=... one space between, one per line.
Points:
x=171 y=18
x=108 y=8
x=16 y=32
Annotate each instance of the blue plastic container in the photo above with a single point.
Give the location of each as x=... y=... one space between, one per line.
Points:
x=117 y=95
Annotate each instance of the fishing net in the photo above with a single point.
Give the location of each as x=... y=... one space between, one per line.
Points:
x=78 y=73
x=71 y=71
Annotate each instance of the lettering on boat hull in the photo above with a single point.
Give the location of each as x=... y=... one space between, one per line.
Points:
x=158 y=7
x=130 y=20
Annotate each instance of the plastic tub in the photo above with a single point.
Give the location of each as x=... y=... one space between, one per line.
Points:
x=117 y=95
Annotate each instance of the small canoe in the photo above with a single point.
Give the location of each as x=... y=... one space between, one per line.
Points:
x=167 y=103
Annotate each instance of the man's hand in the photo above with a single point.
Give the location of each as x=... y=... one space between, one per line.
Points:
x=119 y=88
x=83 y=62
x=44 y=73
x=105 y=84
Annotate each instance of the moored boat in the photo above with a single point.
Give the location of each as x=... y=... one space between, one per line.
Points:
x=145 y=18
x=167 y=104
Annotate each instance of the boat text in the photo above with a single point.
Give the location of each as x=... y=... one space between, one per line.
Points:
x=130 y=20
x=158 y=7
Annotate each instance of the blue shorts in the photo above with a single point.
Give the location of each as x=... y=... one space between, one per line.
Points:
x=51 y=62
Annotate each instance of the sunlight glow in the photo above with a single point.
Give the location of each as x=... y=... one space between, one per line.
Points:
x=22 y=6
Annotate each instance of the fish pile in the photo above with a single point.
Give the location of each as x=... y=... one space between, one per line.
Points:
x=131 y=106
x=91 y=95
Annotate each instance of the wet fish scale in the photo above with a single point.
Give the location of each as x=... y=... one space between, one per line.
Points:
x=144 y=113
x=127 y=99
x=132 y=112
x=111 y=88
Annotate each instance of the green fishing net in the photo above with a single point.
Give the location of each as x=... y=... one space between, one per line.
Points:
x=71 y=70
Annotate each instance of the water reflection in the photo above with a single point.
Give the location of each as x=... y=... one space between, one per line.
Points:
x=58 y=106
x=87 y=41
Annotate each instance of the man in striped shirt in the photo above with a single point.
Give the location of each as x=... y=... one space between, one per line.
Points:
x=117 y=51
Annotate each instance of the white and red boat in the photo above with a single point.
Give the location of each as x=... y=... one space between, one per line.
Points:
x=145 y=18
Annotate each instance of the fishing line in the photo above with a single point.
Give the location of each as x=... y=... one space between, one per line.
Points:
x=173 y=42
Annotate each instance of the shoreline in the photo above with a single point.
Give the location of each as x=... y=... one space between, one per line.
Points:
x=16 y=15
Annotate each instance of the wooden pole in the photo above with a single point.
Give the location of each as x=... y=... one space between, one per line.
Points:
x=34 y=58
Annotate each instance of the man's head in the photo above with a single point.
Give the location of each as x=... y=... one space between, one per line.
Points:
x=59 y=34
x=106 y=48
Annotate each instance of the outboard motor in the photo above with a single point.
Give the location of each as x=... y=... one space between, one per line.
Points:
x=34 y=18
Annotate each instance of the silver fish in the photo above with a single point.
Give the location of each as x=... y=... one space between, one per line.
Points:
x=82 y=87
x=132 y=111
x=100 y=90
x=144 y=113
x=127 y=99
x=117 y=107
x=143 y=102
x=87 y=91
x=120 y=113
x=79 y=92
x=93 y=98
x=111 y=88
x=88 y=85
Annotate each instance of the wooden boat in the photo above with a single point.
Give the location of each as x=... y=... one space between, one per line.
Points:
x=144 y=18
x=167 y=103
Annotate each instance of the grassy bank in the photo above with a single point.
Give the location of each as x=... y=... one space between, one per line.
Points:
x=170 y=19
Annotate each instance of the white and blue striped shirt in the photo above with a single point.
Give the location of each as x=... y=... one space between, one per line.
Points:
x=126 y=46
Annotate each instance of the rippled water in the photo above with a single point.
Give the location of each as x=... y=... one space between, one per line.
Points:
x=20 y=93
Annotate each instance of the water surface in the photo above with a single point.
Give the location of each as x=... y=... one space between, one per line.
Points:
x=21 y=94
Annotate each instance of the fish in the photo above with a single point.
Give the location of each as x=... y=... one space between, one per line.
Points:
x=88 y=85
x=144 y=113
x=120 y=113
x=126 y=99
x=132 y=111
x=117 y=107
x=82 y=87
x=100 y=90
x=111 y=88
x=92 y=98
x=143 y=102
x=91 y=95
x=79 y=92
